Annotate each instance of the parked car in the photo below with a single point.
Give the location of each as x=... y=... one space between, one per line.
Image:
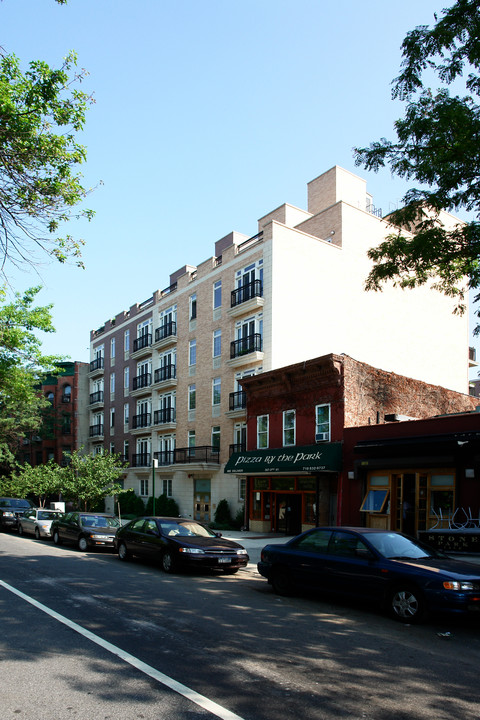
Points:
x=38 y=522
x=403 y=575
x=179 y=543
x=86 y=530
x=10 y=510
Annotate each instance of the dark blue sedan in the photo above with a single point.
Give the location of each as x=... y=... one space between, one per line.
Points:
x=404 y=576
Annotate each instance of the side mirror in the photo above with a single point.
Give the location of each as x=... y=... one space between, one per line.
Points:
x=218 y=534
x=364 y=553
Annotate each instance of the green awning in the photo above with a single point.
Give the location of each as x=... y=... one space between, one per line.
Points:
x=308 y=458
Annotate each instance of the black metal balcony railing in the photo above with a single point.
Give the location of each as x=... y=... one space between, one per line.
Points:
x=142 y=381
x=96 y=397
x=66 y=398
x=165 y=415
x=142 y=420
x=167 y=372
x=141 y=460
x=168 y=329
x=237 y=400
x=96 y=430
x=96 y=364
x=237 y=447
x=142 y=342
x=198 y=454
x=243 y=346
x=165 y=457
x=246 y=292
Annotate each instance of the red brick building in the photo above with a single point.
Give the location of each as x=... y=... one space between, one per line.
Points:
x=296 y=419
x=65 y=423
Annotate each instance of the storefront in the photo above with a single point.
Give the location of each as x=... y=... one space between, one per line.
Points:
x=289 y=489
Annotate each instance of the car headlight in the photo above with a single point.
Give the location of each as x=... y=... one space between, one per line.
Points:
x=457 y=585
x=44 y=526
x=191 y=551
x=7 y=513
x=94 y=536
x=241 y=551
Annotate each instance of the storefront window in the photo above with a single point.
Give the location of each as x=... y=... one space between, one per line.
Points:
x=283 y=483
x=374 y=501
x=309 y=508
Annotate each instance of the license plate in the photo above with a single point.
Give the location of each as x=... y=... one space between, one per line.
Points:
x=224 y=560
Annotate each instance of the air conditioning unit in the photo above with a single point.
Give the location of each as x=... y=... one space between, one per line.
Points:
x=321 y=437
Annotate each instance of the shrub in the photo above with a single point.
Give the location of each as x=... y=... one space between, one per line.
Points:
x=223 y=517
x=163 y=506
x=130 y=503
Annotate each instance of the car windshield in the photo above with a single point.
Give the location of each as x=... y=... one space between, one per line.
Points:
x=15 y=503
x=97 y=521
x=185 y=529
x=393 y=546
x=48 y=515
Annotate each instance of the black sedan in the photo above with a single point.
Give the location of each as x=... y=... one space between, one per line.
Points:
x=85 y=530
x=10 y=510
x=404 y=576
x=179 y=543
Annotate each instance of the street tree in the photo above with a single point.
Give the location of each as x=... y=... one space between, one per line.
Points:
x=91 y=478
x=42 y=481
x=41 y=112
x=22 y=366
x=436 y=150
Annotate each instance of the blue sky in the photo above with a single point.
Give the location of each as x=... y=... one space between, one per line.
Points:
x=208 y=114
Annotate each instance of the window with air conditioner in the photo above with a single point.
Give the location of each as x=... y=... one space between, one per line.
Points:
x=322 y=423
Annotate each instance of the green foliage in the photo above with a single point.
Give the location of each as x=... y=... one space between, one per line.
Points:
x=130 y=503
x=39 y=481
x=21 y=368
x=164 y=505
x=437 y=147
x=41 y=110
x=90 y=478
x=223 y=516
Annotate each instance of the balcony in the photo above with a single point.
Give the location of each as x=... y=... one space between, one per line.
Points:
x=96 y=431
x=247 y=298
x=165 y=416
x=142 y=345
x=236 y=447
x=96 y=398
x=164 y=457
x=96 y=367
x=141 y=384
x=237 y=400
x=142 y=460
x=165 y=335
x=245 y=350
x=197 y=455
x=143 y=420
x=165 y=376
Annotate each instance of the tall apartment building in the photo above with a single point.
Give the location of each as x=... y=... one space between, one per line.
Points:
x=165 y=376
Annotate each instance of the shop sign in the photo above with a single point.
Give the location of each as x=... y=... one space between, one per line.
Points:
x=307 y=458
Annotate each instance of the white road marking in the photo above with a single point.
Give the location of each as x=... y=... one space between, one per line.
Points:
x=169 y=682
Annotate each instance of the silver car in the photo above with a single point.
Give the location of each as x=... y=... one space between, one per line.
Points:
x=37 y=522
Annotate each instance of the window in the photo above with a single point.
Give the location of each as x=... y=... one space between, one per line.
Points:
x=112 y=448
x=125 y=450
x=191 y=438
x=217 y=294
x=374 y=501
x=289 y=427
x=242 y=488
x=126 y=378
x=192 y=352
x=322 y=423
x=217 y=343
x=126 y=413
x=216 y=391
x=126 y=341
x=193 y=306
x=262 y=431
x=112 y=348
x=112 y=417
x=144 y=488
x=192 y=397
x=167 y=487
x=216 y=437
x=112 y=383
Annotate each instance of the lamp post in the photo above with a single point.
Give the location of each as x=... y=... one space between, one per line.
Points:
x=154 y=465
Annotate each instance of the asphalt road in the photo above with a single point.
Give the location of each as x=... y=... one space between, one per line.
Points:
x=131 y=642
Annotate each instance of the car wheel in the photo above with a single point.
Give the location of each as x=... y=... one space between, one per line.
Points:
x=82 y=543
x=37 y=533
x=168 y=564
x=56 y=538
x=406 y=604
x=123 y=553
x=281 y=582
x=230 y=571
x=20 y=529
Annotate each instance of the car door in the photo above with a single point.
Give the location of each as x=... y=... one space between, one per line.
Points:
x=307 y=559
x=69 y=527
x=133 y=536
x=353 y=568
x=28 y=521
